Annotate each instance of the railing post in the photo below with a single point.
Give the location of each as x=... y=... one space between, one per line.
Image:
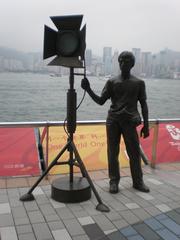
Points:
x=154 y=144
x=47 y=147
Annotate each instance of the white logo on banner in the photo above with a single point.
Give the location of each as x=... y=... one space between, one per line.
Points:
x=175 y=134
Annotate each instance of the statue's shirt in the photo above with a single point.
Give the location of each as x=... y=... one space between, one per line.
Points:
x=124 y=94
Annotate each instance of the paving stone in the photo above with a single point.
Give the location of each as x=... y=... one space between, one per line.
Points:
x=113 y=215
x=42 y=231
x=167 y=235
x=120 y=223
x=50 y=218
x=93 y=231
x=3 y=198
x=117 y=206
x=154 y=224
x=56 y=225
x=38 y=191
x=174 y=216
x=19 y=212
x=41 y=199
x=161 y=216
x=61 y=234
x=86 y=220
x=24 y=229
x=163 y=207
x=15 y=202
x=47 y=209
x=27 y=236
x=3 y=191
x=56 y=204
x=64 y=213
x=36 y=217
x=13 y=192
x=141 y=213
x=107 y=232
x=129 y=216
x=103 y=222
x=128 y=231
x=6 y=220
x=8 y=233
x=21 y=221
x=81 y=237
x=136 y=237
x=153 y=211
x=145 y=231
x=80 y=214
x=171 y=225
x=154 y=181
x=31 y=206
x=116 y=236
x=132 y=205
x=73 y=227
x=145 y=196
x=5 y=208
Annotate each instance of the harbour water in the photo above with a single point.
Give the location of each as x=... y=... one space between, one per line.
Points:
x=37 y=97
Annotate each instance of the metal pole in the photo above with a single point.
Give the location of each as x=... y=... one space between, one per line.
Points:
x=154 y=144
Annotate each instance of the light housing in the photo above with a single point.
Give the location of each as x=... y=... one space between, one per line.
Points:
x=68 y=43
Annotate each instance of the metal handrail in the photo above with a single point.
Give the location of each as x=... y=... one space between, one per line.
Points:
x=60 y=123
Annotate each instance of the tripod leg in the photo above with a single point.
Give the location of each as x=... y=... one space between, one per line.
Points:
x=28 y=196
x=101 y=207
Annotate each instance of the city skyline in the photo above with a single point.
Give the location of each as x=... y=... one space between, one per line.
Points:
x=151 y=25
x=164 y=64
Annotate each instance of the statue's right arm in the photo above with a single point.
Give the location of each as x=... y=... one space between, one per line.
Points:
x=98 y=99
x=86 y=86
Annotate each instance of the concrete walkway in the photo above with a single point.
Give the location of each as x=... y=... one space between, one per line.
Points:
x=133 y=216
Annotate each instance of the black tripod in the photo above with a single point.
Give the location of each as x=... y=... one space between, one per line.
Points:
x=73 y=189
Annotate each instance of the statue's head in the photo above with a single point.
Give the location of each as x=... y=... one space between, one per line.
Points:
x=126 y=61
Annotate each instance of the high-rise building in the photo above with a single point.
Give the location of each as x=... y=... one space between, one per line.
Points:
x=146 y=64
x=107 y=60
x=115 y=64
x=88 y=57
x=137 y=68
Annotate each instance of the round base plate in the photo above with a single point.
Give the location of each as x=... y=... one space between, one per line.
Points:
x=64 y=191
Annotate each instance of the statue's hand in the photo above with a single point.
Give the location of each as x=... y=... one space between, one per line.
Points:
x=85 y=84
x=144 y=132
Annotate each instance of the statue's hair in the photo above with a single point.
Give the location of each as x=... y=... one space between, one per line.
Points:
x=127 y=54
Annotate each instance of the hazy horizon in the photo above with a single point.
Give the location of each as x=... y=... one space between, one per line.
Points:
x=151 y=25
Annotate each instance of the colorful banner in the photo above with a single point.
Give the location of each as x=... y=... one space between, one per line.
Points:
x=18 y=152
x=168 y=145
x=90 y=141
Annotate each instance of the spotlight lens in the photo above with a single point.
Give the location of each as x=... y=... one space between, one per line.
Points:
x=67 y=43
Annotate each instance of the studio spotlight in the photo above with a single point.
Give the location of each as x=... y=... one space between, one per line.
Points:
x=68 y=43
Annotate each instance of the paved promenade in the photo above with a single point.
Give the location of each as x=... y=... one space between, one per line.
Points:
x=133 y=216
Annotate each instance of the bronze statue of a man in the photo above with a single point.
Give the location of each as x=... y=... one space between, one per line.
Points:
x=125 y=91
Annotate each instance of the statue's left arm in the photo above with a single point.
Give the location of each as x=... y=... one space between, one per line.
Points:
x=145 y=113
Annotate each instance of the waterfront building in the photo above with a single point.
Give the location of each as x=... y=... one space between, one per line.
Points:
x=115 y=64
x=107 y=60
x=137 y=68
x=146 y=64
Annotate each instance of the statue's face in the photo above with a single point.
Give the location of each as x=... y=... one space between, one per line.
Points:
x=125 y=64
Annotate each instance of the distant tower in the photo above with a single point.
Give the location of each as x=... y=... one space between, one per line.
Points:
x=107 y=60
x=115 y=64
x=137 y=68
x=146 y=64
x=88 y=57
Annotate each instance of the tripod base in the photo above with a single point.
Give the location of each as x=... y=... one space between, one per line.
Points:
x=27 y=197
x=64 y=191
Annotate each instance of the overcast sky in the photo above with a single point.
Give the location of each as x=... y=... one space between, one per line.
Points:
x=151 y=25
